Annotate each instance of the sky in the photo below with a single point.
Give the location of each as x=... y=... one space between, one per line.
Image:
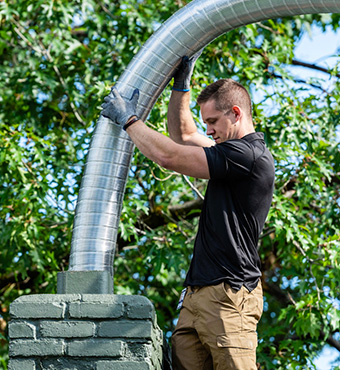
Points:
x=320 y=49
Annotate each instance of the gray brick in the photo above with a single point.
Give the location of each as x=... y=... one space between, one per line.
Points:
x=95 y=348
x=67 y=329
x=42 y=305
x=66 y=363
x=28 y=364
x=125 y=329
x=97 y=306
x=21 y=329
x=140 y=308
x=137 y=350
x=126 y=365
x=38 y=310
x=40 y=347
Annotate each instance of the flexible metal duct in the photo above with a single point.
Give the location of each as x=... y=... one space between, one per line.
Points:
x=108 y=160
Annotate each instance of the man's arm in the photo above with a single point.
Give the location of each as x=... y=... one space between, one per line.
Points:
x=188 y=160
x=181 y=125
x=184 y=159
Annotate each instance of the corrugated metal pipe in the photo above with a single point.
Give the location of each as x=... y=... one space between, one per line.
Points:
x=187 y=31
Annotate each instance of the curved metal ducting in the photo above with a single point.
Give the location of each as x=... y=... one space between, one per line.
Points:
x=187 y=31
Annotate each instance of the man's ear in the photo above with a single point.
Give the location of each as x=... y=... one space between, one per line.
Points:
x=237 y=112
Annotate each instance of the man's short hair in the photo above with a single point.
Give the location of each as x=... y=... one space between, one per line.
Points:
x=227 y=93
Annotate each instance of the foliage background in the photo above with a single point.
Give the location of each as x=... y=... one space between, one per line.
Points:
x=58 y=59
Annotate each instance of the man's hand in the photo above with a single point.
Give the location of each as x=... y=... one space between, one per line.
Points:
x=119 y=109
x=183 y=75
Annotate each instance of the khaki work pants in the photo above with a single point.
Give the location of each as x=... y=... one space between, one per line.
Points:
x=216 y=329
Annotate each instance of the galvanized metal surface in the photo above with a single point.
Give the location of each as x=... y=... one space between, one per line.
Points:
x=108 y=161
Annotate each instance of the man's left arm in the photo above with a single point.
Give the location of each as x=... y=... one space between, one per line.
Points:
x=187 y=160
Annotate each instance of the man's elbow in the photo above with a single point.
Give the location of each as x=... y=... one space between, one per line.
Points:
x=176 y=137
x=181 y=139
x=167 y=161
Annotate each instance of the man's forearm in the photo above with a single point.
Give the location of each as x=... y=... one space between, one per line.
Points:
x=181 y=125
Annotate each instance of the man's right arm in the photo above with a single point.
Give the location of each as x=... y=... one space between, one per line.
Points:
x=181 y=125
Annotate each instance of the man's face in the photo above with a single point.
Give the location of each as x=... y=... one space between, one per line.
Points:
x=221 y=126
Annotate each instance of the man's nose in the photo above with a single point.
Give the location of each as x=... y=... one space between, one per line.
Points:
x=210 y=130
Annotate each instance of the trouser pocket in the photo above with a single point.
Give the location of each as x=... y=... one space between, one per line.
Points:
x=252 y=308
x=238 y=351
x=231 y=296
x=240 y=342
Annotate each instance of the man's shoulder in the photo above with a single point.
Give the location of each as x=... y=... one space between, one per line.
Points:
x=243 y=144
x=253 y=136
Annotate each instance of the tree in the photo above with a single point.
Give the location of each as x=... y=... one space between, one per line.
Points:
x=58 y=61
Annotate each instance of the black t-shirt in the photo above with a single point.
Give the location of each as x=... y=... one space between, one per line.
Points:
x=235 y=208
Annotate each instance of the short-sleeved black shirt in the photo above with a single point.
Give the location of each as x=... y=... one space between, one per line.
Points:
x=236 y=205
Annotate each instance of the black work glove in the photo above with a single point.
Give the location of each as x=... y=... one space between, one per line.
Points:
x=183 y=75
x=118 y=109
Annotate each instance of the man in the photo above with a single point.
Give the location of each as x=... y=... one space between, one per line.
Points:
x=223 y=301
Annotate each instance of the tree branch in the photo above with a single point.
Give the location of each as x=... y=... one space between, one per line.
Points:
x=312 y=66
x=182 y=210
x=302 y=82
x=332 y=342
x=186 y=178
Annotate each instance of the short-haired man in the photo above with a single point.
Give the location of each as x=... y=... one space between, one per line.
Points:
x=223 y=300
